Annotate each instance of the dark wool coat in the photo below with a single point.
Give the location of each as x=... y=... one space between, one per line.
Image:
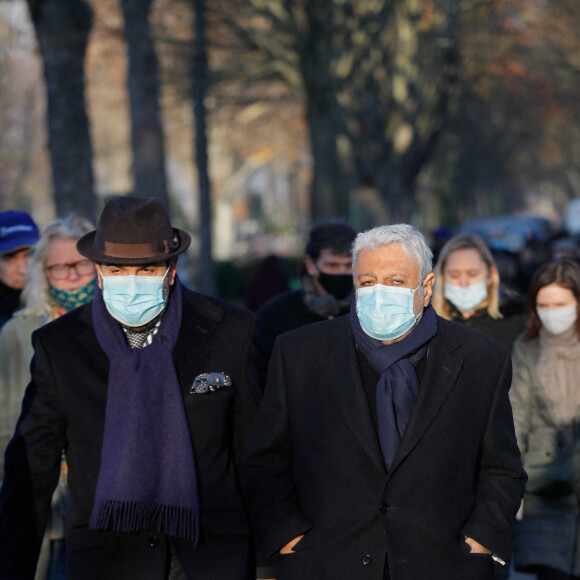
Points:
x=505 y=330
x=9 y=303
x=315 y=466
x=64 y=408
x=281 y=314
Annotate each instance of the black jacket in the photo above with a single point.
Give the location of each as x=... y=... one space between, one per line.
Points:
x=64 y=408
x=505 y=330
x=281 y=314
x=9 y=302
x=315 y=466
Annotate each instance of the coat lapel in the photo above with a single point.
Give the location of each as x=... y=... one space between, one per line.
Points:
x=439 y=377
x=192 y=337
x=88 y=338
x=343 y=377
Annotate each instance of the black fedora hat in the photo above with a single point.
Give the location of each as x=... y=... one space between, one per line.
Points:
x=133 y=230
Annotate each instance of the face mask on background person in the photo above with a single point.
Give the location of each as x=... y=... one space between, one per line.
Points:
x=386 y=312
x=70 y=299
x=339 y=285
x=134 y=300
x=466 y=298
x=558 y=320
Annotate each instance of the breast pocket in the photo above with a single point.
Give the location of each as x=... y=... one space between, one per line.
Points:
x=210 y=417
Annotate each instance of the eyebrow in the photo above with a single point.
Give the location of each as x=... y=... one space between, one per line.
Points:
x=389 y=275
x=121 y=266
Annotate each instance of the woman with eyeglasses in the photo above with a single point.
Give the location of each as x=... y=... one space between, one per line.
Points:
x=59 y=279
x=545 y=398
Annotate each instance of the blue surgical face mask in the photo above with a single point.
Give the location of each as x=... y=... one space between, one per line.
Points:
x=468 y=298
x=386 y=312
x=134 y=300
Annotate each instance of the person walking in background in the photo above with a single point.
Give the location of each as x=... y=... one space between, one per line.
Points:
x=545 y=398
x=384 y=445
x=59 y=279
x=326 y=286
x=18 y=233
x=268 y=280
x=468 y=290
x=150 y=389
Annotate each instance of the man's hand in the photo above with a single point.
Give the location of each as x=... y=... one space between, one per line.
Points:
x=287 y=549
x=476 y=547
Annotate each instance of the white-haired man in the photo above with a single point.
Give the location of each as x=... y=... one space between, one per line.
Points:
x=384 y=446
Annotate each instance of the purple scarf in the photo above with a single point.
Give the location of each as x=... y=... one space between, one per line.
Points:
x=147 y=474
x=398 y=385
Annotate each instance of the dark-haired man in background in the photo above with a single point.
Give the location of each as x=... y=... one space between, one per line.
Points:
x=326 y=286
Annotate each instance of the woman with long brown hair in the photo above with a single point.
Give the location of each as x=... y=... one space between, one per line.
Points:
x=545 y=398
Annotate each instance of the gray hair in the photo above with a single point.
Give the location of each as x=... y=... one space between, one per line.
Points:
x=36 y=296
x=408 y=237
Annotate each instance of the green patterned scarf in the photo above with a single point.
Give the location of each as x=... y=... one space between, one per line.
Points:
x=70 y=299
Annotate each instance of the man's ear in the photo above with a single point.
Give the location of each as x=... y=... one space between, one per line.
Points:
x=99 y=275
x=311 y=267
x=428 y=288
x=173 y=270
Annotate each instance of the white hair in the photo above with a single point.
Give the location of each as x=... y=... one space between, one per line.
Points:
x=36 y=296
x=409 y=238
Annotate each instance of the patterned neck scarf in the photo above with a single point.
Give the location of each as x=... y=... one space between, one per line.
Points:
x=71 y=299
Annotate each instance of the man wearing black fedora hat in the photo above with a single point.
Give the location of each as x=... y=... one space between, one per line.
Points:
x=150 y=390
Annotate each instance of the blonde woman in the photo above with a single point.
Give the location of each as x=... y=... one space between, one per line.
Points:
x=468 y=290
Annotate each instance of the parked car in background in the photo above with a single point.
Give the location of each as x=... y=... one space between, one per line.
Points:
x=510 y=233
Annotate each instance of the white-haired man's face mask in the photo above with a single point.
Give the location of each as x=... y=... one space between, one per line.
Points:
x=390 y=294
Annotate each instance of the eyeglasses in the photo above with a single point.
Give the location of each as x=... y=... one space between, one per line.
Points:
x=62 y=271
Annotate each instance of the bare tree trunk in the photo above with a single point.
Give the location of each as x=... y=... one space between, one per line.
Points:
x=62 y=29
x=328 y=198
x=329 y=195
x=146 y=129
x=206 y=280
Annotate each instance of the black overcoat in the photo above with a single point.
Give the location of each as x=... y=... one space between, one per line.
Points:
x=315 y=466
x=64 y=408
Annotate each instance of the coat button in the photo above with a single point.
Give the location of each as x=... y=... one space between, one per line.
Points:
x=366 y=560
x=384 y=508
x=153 y=541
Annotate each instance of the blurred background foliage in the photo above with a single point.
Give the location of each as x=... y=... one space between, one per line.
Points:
x=434 y=112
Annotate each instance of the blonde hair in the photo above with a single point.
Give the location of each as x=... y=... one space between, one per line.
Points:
x=36 y=296
x=465 y=242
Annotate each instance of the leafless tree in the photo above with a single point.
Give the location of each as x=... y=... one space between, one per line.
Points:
x=62 y=29
x=146 y=129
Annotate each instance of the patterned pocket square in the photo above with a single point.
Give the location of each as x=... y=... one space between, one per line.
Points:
x=207 y=382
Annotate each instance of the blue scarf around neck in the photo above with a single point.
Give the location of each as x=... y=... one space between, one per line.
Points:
x=147 y=478
x=398 y=385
